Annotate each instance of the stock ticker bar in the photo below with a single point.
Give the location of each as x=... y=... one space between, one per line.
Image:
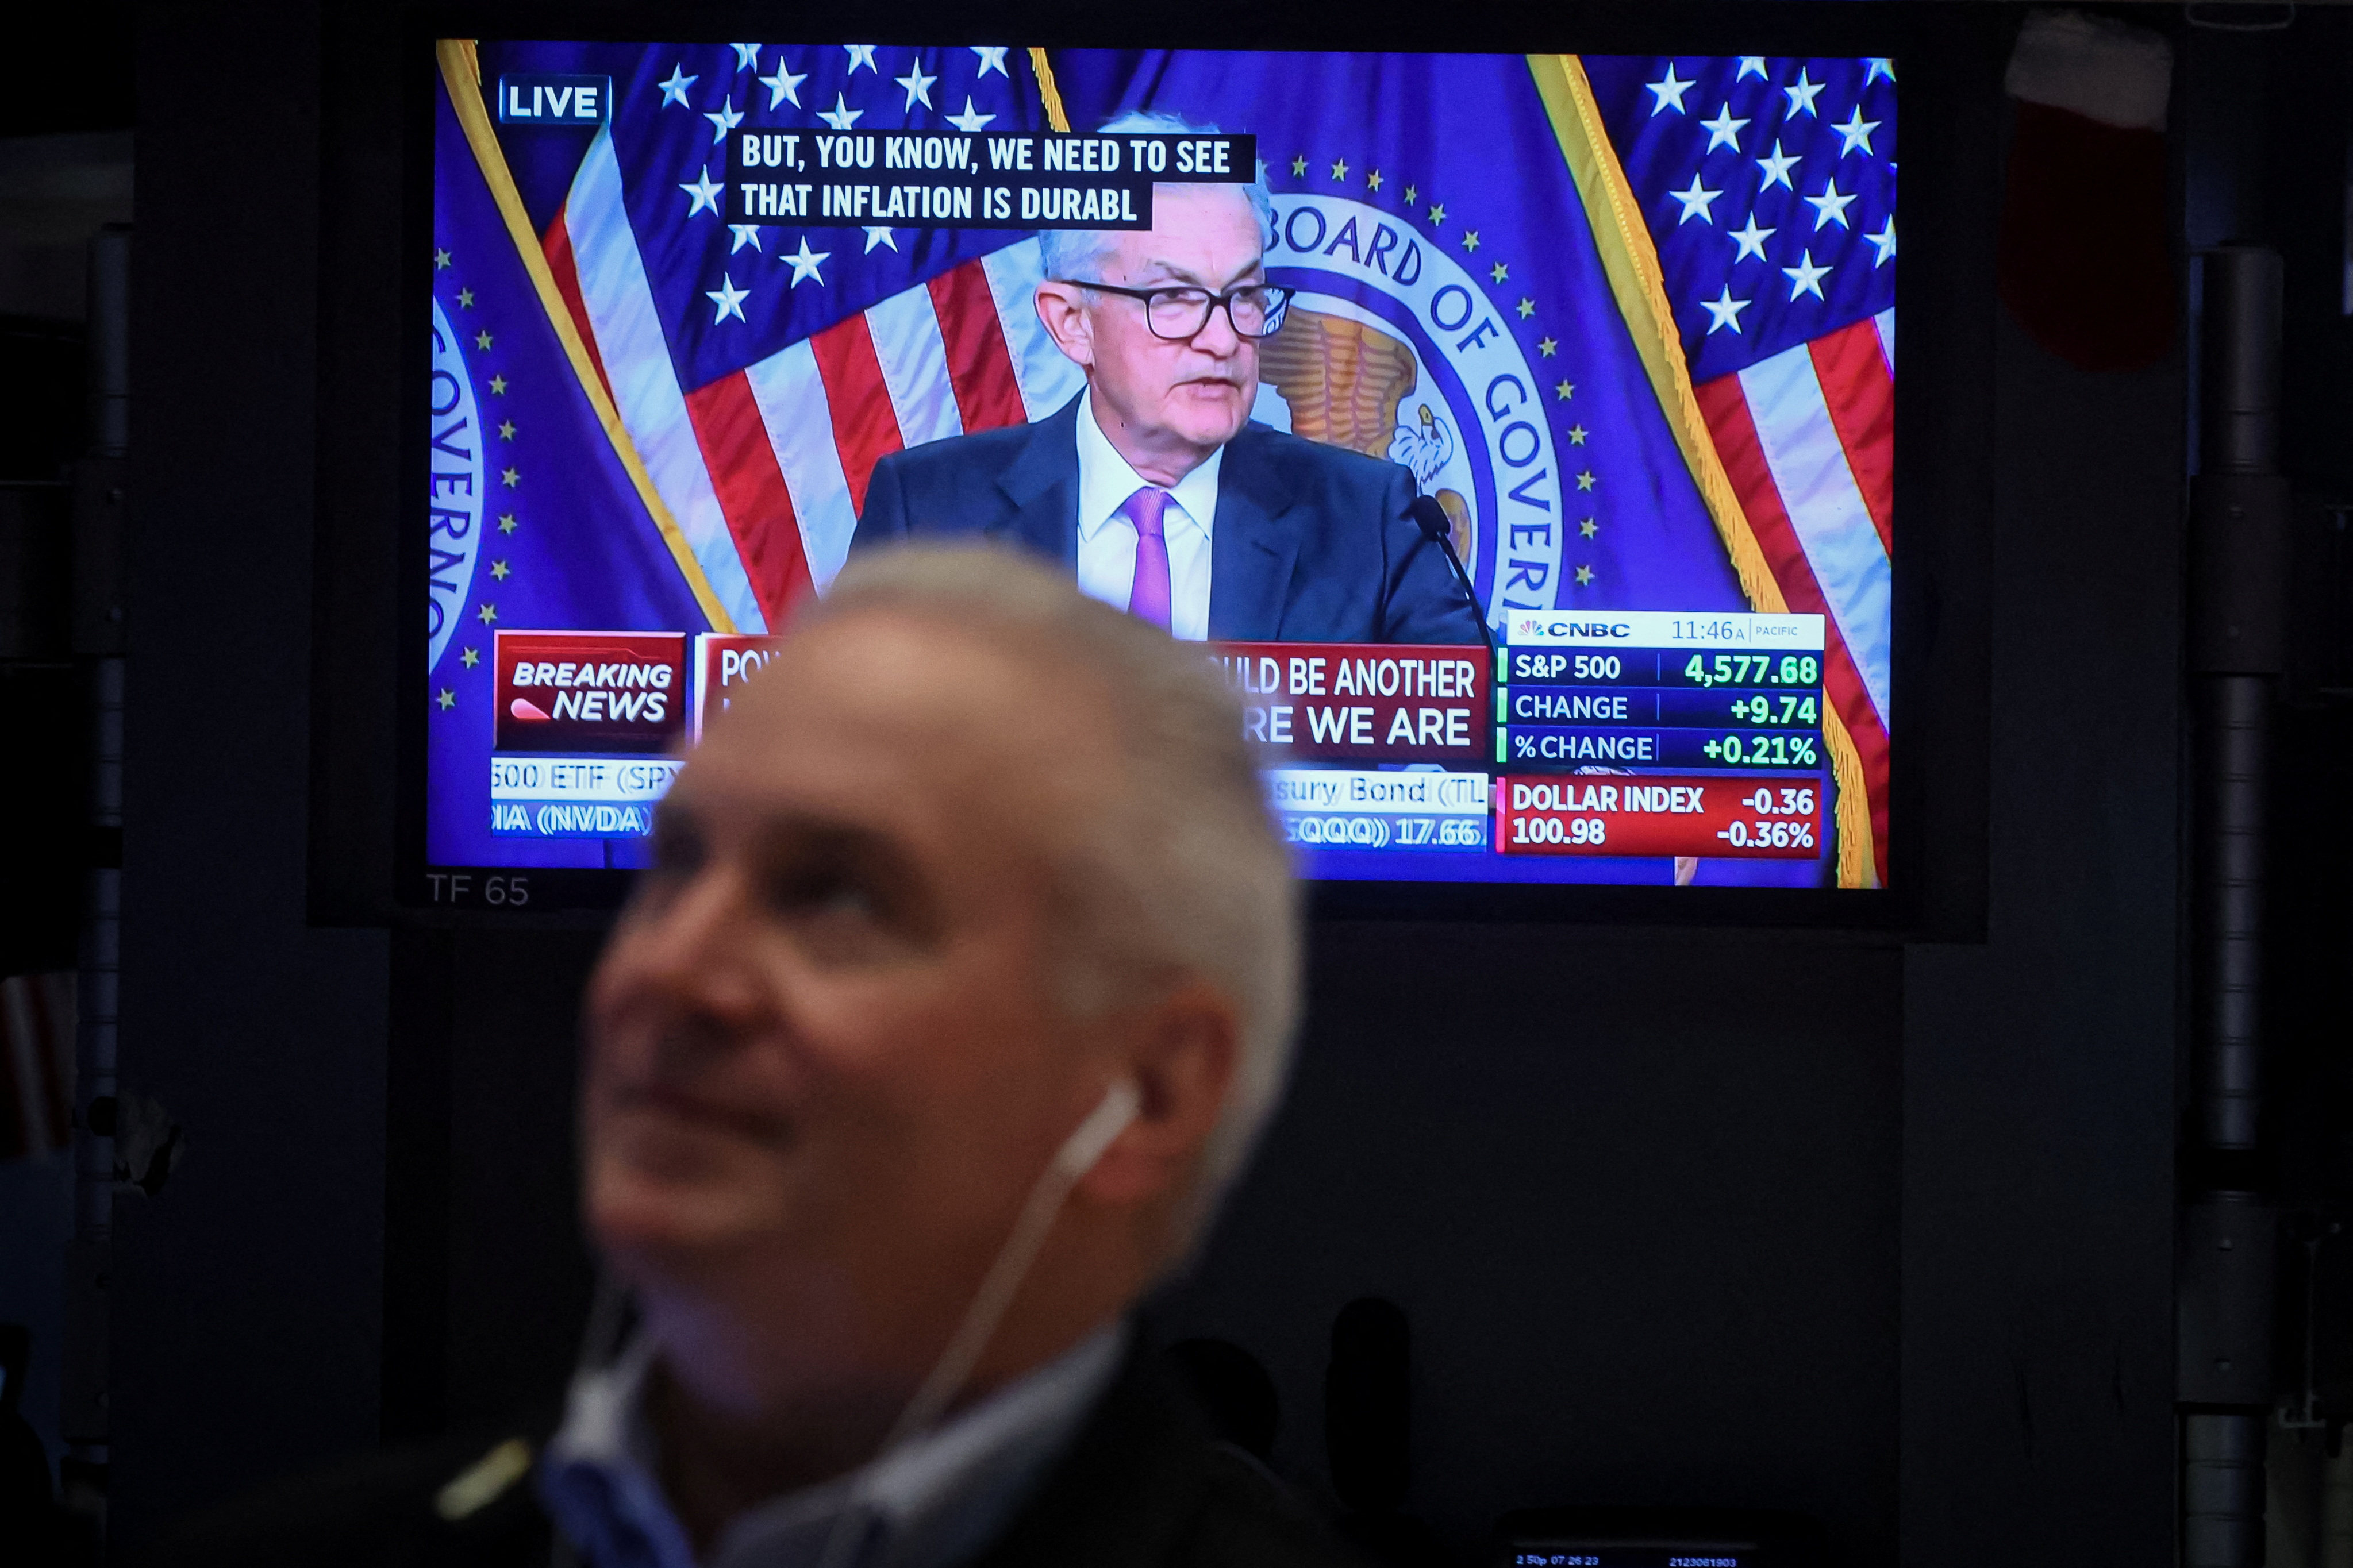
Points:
x=1633 y=733
x=1592 y=709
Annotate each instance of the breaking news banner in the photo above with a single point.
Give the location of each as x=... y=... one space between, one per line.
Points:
x=970 y=181
x=590 y=692
x=585 y=724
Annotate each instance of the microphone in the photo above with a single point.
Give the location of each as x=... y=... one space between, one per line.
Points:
x=1440 y=529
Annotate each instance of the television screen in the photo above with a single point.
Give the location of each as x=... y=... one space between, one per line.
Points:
x=1518 y=430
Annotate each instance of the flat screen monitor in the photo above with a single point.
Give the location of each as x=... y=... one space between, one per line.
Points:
x=1615 y=332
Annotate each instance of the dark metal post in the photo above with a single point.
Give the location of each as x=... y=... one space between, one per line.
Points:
x=100 y=503
x=2237 y=594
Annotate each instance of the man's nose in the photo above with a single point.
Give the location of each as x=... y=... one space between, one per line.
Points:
x=1217 y=335
x=688 y=948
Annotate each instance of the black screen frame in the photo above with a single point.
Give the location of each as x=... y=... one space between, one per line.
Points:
x=368 y=784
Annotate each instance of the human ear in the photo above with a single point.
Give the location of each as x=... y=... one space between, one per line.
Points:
x=1062 y=309
x=1181 y=1050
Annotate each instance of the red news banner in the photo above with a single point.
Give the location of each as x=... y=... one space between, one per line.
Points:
x=1303 y=701
x=1718 y=815
x=589 y=691
x=1399 y=702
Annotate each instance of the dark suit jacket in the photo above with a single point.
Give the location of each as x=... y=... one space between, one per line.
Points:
x=1144 y=1485
x=1310 y=542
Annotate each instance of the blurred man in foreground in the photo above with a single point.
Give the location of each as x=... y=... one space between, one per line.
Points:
x=960 y=988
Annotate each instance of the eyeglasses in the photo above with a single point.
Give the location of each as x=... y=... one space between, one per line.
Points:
x=1256 y=310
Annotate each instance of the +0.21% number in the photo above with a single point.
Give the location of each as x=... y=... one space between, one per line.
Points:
x=1763 y=751
x=1787 y=801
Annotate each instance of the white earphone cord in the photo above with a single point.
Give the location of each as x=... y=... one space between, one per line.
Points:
x=1073 y=1161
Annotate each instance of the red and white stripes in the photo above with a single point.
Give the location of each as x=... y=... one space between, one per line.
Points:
x=1808 y=440
x=765 y=468
x=616 y=309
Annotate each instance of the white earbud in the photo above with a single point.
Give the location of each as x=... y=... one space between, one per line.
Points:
x=1087 y=1143
x=1088 y=1140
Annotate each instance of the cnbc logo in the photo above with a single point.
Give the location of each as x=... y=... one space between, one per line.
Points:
x=1532 y=628
x=535 y=97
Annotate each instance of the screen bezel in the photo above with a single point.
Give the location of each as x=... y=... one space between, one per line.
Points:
x=1949 y=57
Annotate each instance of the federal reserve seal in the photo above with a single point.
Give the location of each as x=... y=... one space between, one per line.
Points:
x=1392 y=350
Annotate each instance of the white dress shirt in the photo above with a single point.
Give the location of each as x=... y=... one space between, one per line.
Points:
x=933 y=1502
x=1107 y=540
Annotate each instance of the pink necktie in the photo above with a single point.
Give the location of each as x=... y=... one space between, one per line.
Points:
x=1147 y=595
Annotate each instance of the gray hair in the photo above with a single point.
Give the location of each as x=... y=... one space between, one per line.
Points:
x=1181 y=869
x=1075 y=254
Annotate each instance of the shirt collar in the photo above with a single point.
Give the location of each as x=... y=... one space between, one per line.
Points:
x=1106 y=479
x=936 y=1499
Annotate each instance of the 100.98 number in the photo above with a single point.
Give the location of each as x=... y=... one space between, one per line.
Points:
x=1558 y=830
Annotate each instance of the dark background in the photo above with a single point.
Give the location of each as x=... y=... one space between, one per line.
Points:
x=1876 y=1230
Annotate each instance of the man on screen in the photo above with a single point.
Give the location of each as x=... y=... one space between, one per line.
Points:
x=1154 y=483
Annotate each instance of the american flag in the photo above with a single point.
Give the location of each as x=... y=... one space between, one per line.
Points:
x=1769 y=185
x=761 y=370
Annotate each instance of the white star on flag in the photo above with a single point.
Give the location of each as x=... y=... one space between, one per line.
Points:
x=918 y=85
x=1885 y=242
x=704 y=193
x=746 y=55
x=1724 y=310
x=1805 y=278
x=1696 y=202
x=727 y=118
x=1751 y=240
x=875 y=237
x=674 y=89
x=1777 y=166
x=805 y=265
x=969 y=121
x=1667 y=92
x=992 y=59
x=1751 y=65
x=863 y=55
x=744 y=233
x=729 y=300
x=1829 y=206
x=1881 y=66
x=1723 y=131
x=784 y=86
x=841 y=117
x=1856 y=132
x=1802 y=96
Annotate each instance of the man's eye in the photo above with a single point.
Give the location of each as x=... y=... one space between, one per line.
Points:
x=824 y=893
